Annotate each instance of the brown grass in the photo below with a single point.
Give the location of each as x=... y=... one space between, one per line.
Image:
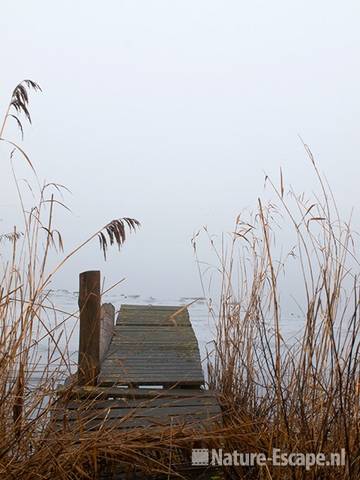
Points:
x=297 y=395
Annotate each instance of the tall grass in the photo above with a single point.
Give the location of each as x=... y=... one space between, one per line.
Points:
x=29 y=320
x=301 y=393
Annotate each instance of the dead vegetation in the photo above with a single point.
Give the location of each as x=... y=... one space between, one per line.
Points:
x=301 y=393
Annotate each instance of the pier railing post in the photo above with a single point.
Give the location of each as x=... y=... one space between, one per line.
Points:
x=89 y=338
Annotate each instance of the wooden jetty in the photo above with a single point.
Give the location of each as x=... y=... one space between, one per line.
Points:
x=143 y=370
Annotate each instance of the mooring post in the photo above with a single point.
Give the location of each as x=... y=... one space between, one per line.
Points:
x=89 y=338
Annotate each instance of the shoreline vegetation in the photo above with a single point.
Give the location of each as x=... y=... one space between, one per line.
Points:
x=302 y=396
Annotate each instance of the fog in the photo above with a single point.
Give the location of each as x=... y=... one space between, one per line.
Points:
x=172 y=112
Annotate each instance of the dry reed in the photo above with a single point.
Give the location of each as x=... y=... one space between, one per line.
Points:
x=299 y=394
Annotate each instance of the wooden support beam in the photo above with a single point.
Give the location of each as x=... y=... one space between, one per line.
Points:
x=89 y=338
x=107 y=319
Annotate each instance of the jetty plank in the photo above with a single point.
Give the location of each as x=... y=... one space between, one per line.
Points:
x=95 y=408
x=152 y=345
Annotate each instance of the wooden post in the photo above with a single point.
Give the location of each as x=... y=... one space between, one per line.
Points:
x=89 y=339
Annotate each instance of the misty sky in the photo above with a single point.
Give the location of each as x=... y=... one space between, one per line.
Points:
x=171 y=112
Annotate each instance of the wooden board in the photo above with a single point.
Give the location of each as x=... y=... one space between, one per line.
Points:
x=130 y=408
x=152 y=345
x=153 y=315
x=89 y=392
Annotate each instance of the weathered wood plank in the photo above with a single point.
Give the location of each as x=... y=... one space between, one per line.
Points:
x=153 y=346
x=172 y=411
x=117 y=403
x=198 y=422
x=115 y=392
x=153 y=315
x=133 y=408
x=150 y=370
x=107 y=318
x=161 y=372
x=169 y=380
x=155 y=356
